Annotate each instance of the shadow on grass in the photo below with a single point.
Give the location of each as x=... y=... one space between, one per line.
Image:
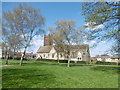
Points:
x=108 y=70
x=46 y=63
x=23 y=78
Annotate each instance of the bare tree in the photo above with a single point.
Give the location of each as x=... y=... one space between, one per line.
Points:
x=66 y=34
x=57 y=40
x=11 y=38
x=5 y=44
x=28 y=22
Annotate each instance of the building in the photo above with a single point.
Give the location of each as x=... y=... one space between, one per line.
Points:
x=116 y=58
x=17 y=54
x=104 y=58
x=49 y=51
x=107 y=58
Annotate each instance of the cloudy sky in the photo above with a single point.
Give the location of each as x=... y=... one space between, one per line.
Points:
x=56 y=11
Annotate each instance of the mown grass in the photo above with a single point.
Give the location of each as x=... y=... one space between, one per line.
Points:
x=40 y=74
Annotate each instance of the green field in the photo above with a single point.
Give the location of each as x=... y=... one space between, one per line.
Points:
x=40 y=74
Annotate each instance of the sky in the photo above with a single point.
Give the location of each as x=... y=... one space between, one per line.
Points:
x=53 y=11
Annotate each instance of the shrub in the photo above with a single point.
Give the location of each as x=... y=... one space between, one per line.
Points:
x=93 y=60
x=82 y=62
x=106 y=63
x=18 y=58
x=3 y=58
x=10 y=57
x=62 y=61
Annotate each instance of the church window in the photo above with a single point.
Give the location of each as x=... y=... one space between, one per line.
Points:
x=53 y=55
x=44 y=55
x=84 y=54
x=61 y=55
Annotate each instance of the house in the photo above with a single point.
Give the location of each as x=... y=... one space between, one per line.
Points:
x=116 y=58
x=104 y=58
x=16 y=54
x=49 y=51
x=107 y=58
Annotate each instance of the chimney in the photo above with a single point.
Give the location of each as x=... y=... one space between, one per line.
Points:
x=47 y=40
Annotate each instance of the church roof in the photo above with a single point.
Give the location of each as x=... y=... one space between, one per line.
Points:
x=46 y=49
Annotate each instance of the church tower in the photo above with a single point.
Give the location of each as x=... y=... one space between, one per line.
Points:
x=47 y=40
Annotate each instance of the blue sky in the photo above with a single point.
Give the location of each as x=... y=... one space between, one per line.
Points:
x=56 y=11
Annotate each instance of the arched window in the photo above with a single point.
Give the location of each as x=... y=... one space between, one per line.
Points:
x=84 y=53
x=44 y=55
x=61 y=55
x=53 y=55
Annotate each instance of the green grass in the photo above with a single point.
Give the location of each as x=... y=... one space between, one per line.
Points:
x=40 y=74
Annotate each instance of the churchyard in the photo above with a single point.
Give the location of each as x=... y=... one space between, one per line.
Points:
x=42 y=74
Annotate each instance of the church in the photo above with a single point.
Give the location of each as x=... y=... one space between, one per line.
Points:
x=49 y=51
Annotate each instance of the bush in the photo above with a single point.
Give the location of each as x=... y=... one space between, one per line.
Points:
x=93 y=60
x=10 y=58
x=51 y=60
x=82 y=62
x=62 y=61
x=18 y=58
x=106 y=63
x=3 y=58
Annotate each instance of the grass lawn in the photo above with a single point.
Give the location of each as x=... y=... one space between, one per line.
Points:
x=40 y=74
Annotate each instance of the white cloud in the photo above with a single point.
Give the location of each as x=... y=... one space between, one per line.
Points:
x=37 y=36
x=90 y=25
x=93 y=42
x=102 y=42
x=37 y=39
x=36 y=43
x=90 y=42
x=22 y=35
x=101 y=26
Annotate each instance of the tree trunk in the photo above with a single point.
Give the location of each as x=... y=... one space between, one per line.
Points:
x=68 y=63
x=14 y=54
x=7 y=55
x=118 y=62
x=22 y=57
x=69 y=57
x=58 y=57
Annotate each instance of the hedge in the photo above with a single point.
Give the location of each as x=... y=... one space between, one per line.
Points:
x=105 y=63
x=62 y=61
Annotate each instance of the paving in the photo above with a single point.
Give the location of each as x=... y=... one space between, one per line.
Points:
x=5 y=65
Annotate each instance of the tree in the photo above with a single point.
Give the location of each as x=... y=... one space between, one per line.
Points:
x=65 y=34
x=11 y=38
x=27 y=22
x=57 y=40
x=106 y=14
x=5 y=45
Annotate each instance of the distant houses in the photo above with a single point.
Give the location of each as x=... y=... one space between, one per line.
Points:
x=116 y=58
x=17 y=55
x=107 y=58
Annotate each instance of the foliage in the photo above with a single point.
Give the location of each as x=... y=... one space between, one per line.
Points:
x=26 y=21
x=106 y=14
